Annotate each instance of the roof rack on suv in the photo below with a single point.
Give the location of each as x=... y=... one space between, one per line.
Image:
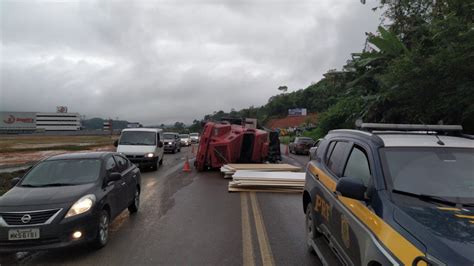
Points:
x=410 y=127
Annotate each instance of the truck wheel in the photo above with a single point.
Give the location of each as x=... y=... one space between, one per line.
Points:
x=311 y=231
x=102 y=236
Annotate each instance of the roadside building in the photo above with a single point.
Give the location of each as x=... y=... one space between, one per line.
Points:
x=17 y=122
x=58 y=121
x=29 y=122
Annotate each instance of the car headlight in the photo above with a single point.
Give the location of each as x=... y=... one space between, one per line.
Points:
x=169 y=143
x=149 y=155
x=83 y=205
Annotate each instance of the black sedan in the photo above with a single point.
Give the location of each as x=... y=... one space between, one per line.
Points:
x=67 y=200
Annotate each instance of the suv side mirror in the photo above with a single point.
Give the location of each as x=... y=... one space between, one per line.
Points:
x=351 y=187
x=160 y=144
x=114 y=176
x=14 y=181
x=312 y=153
x=116 y=143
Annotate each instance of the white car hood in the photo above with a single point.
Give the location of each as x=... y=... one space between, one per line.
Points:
x=136 y=149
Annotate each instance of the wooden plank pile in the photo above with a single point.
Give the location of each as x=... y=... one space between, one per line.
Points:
x=264 y=178
x=229 y=169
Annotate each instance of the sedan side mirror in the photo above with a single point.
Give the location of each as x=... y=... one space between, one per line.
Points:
x=351 y=187
x=160 y=144
x=14 y=181
x=114 y=176
x=116 y=143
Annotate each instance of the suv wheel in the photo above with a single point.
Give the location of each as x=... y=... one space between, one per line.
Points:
x=102 y=236
x=161 y=161
x=311 y=231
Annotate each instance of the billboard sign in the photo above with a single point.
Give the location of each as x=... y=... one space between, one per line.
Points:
x=61 y=109
x=17 y=120
x=297 y=112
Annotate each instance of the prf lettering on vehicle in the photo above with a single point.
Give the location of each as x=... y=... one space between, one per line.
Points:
x=322 y=207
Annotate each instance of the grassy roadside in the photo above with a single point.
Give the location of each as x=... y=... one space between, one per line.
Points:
x=5 y=180
x=59 y=147
x=9 y=144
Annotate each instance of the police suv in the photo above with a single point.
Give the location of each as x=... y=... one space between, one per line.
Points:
x=391 y=194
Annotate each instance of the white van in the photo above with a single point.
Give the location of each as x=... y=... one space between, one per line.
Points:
x=142 y=146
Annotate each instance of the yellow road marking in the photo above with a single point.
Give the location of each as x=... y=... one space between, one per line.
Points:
x=265 y=249
x=465 y=216
x=449 y=209
x=247 y=247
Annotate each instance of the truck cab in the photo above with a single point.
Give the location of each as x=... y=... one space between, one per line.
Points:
x=142 y=146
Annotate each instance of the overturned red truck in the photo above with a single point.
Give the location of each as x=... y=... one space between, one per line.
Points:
x=222 y=143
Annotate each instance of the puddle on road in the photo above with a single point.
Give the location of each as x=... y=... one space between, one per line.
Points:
x=174 y=183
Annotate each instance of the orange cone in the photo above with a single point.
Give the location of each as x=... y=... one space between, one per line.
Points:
x=186 y=166
x=287 y=151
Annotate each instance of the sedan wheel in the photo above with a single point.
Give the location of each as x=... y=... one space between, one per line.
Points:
x=103 y=230
x=133 y=208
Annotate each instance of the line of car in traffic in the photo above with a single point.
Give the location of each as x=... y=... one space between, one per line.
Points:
x=145 y=147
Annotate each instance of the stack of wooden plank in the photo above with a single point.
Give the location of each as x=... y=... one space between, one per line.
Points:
x=263 y=181
x=230 y=169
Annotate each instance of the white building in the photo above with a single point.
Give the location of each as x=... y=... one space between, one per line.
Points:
x=58 y=121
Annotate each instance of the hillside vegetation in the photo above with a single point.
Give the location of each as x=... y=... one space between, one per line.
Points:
x=419 y=68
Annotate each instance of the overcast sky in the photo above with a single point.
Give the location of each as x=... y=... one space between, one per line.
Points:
x=165 y=61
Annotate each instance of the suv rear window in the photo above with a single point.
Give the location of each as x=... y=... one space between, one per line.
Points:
x=337 y=156
x=358 y=165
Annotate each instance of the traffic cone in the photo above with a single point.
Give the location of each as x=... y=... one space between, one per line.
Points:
x=287 y=151
x=186 y=166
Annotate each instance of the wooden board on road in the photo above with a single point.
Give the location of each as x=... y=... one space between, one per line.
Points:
x=246 y=180
x=263 y=167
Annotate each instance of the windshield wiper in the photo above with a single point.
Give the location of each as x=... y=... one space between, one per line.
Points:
x=27 y=185
x=56 y=185
x=428 y=198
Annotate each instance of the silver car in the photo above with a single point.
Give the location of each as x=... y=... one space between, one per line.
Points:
x=185 y=139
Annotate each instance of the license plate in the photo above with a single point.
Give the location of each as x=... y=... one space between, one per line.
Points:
x=23 y=234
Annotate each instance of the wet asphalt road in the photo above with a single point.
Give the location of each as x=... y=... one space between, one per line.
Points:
x=191 y=219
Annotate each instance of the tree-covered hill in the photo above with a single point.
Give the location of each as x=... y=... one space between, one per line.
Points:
x=418 y=68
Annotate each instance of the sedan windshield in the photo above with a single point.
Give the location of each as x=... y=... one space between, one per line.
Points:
x=184 y=136
x=62 y=173
x=138 y=138
x=439 y=172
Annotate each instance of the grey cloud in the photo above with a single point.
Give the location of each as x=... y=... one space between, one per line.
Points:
x=164 y=61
